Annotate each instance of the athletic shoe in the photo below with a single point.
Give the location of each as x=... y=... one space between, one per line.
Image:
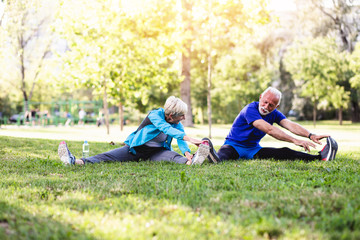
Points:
x=212 y=154
x=201 y=154
x=329 y=151
x=65 y=155
x=334 y=147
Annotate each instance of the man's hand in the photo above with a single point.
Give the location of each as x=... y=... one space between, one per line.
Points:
x=189 y=156
x=305 y=144
x=316 y=138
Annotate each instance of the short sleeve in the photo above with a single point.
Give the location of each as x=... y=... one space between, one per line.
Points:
x=252 y=114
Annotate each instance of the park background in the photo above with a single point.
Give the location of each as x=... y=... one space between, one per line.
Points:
x=216 y=55
x=119 y=59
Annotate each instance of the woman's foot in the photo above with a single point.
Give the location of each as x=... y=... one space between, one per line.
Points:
x=201 y=154
x=65 y=155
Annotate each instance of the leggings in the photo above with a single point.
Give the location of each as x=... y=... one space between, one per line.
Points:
x=123 y=154
x=284 y=154
x=227 y=152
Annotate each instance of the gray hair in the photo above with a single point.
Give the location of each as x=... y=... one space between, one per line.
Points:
x=175 y=106
x=274 y=91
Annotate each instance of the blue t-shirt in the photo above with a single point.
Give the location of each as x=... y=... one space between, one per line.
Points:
x=243 y=136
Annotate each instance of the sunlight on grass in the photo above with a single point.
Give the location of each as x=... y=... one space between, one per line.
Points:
x=255 y=199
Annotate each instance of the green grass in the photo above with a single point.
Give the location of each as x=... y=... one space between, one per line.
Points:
x=42 y=199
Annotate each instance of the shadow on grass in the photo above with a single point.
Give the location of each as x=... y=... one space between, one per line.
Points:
x=18 y=223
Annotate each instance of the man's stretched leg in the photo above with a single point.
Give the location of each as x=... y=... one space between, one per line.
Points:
x=227 y=152
x=284 y=154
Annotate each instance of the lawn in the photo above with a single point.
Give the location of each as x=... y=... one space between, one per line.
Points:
x=40 y=198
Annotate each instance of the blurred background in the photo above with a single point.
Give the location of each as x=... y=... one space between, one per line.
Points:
x=110 y=61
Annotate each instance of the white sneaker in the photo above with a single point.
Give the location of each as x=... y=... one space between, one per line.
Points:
x=65 y=155
x=201 y=154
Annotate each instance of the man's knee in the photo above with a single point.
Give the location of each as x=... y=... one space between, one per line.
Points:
x=227 y=152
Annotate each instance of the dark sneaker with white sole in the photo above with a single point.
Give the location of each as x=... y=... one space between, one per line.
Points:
x=335 y=148
x=201 y=154
x=212 y=154
x=329 y=151
x=65 y=155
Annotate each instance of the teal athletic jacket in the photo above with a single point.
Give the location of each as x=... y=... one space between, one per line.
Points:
x=151 y=126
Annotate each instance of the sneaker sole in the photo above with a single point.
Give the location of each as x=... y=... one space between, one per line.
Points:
x=201 y=154
x=328 y=143
x=212 y=154
x=334 y=148
x=330 y=155
x=63 y=154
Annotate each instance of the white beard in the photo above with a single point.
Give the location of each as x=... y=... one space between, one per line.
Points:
x=263 y=111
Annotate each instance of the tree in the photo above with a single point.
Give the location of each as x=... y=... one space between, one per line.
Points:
x=116 y=54
x=27 y=41
x=232 y=25
x=240 y=79
x=315 y=68
x=344 y=21
x=354 y=59
x=188 y=33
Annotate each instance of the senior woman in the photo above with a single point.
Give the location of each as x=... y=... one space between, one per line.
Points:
x=152 y=139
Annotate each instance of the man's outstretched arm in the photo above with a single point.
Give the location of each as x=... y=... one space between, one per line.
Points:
x=299 y=130
x=281 y=135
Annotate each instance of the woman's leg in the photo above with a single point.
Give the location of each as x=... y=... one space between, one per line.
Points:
x=167 y=155
x=117 y=155
x=284 y=154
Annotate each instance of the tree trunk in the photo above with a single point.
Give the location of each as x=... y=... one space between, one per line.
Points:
x=185 y=88
x=106 y=108
x=340 y=115
x=202 y=117
x=121 y=116
x=209 y=73
x=23 y=84
x=355 y=111
x=26 y=101
x=185 y=85
x=314 y=114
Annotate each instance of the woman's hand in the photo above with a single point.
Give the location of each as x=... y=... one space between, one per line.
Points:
x=189 y=157
x=197 y=142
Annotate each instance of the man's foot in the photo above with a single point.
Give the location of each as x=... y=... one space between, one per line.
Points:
x=335 y=147
x=212 y=154
x=201 y=154
x=65 y=155
x=330 y=149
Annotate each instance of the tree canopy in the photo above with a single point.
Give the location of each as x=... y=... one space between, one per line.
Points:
x=135 y=59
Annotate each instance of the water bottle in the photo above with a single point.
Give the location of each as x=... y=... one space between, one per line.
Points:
x=85 y=153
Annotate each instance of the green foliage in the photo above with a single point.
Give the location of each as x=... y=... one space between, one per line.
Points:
x=40 y=198
x=134 y=55
x=317 y=66
x=238 y=80
x=230 y=23
x=5 y=106
x=355 y=66
x=25 y=42
x=129 y=54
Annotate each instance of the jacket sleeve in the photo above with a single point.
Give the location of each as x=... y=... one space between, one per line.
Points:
x=183 y=146
x=159 y=122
